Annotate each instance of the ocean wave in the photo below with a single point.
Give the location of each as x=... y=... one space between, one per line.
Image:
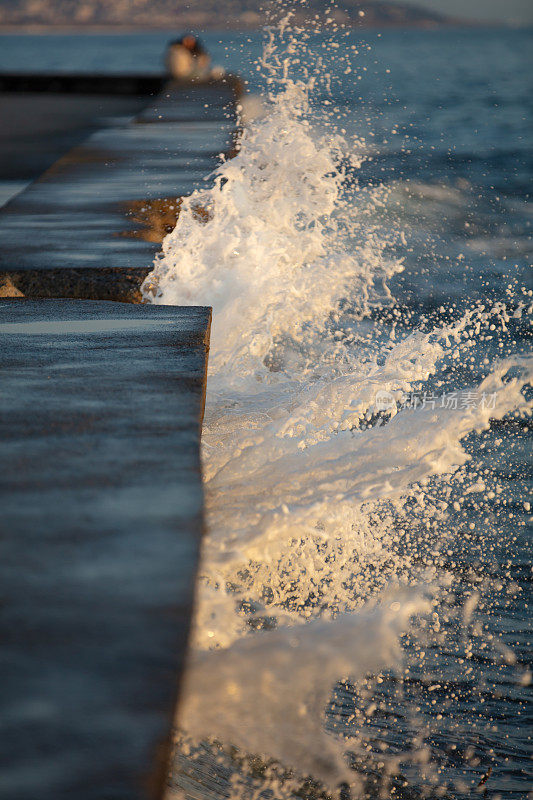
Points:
x=318 y=469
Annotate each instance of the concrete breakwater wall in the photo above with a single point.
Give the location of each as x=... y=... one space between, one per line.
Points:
x=100 y=486
x=98 y=214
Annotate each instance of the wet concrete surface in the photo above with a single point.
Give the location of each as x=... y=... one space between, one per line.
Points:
x=36 y=129
x=82 y=214
x=101 y=522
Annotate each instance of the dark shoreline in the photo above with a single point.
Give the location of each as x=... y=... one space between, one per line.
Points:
x=173 y=25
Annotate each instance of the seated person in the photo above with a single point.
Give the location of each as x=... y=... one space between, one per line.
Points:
x=186 y=58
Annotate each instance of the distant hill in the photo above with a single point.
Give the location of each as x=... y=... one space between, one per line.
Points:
x=200 y=14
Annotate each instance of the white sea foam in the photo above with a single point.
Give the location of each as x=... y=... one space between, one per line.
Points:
x=307 y=577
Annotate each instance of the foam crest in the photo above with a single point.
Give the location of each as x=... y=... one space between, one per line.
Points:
x=266 y=245
x=287 y=675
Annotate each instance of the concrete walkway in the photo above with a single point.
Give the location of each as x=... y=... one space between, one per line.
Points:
x=100 y=475
x=101 y=517
x=92 y=224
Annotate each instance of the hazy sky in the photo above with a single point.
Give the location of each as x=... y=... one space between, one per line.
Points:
x=520 y=11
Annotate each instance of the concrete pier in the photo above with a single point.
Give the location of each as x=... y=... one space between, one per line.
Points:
x=92 y=224
x=42 y=116
x=101 y=521
x=100 y=476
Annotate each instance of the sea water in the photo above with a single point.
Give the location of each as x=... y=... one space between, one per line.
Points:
x=362 y=615
x=365 y=516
